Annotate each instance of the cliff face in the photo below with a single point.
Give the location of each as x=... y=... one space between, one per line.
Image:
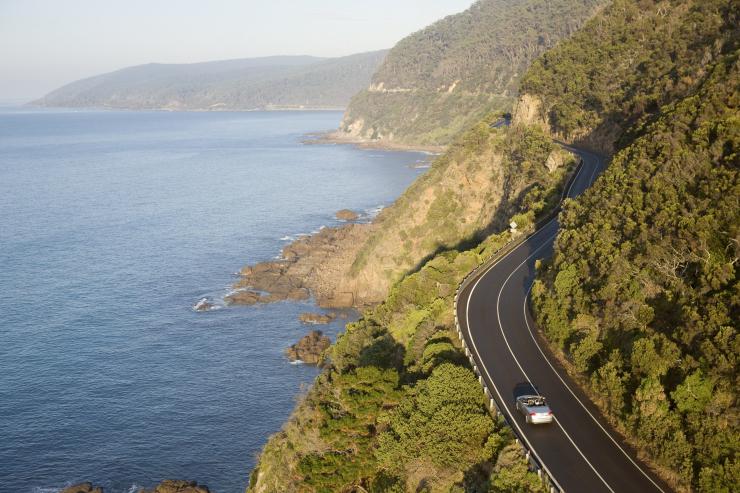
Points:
x=245 y=84
x=440 y=81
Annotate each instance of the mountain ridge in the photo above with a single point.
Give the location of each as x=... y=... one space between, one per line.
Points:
x=438 y=82
x=275 y=82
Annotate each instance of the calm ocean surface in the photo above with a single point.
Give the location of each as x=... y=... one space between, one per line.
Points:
x=112 y=225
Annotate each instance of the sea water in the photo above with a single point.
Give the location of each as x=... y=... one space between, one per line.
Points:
x=112 y=225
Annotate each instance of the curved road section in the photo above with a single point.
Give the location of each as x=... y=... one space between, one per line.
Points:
x=578 y=450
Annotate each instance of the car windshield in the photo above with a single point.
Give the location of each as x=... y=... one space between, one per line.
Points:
x=535 y=401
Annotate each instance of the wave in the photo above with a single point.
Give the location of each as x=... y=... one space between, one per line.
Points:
x=206 y=304
x=373 y=212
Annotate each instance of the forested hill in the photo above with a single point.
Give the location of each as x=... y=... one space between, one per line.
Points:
x=442 y=80
x=642 y=295
x=244 y=84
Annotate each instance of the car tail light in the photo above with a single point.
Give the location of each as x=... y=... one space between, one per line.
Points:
x=549 y=413
x=533 y=413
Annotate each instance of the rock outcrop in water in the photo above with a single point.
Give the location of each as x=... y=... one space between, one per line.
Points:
x=310 y=349
x=203 y=305
x=310 y=266
x=316 y=318
x=178 y=486
x=347 y=215
x=86 y=487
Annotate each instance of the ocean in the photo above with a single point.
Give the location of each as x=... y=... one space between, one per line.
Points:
x=112 y=225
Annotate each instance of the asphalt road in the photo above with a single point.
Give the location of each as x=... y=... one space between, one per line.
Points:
x=578 y=449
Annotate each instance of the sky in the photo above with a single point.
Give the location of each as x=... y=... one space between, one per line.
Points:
x=47 y=43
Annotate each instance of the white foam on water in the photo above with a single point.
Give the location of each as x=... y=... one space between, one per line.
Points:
x=207 y=304
x=297 y=362
x=373 y=212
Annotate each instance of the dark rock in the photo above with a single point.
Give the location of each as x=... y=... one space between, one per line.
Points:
x=347 y=215
x=299 y=294
x=316 y=318
x=310 y=349
x=178 y=486
x=203 y=305
x=243 y=297
x=85 y=487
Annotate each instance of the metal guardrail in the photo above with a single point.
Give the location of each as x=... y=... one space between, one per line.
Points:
x=532 y=457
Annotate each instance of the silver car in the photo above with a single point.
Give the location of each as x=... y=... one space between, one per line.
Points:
x=534 y=408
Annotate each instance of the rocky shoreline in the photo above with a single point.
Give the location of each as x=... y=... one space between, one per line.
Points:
x=312 y=266
x=166 y=486
x=336 y=137
x=310 y=349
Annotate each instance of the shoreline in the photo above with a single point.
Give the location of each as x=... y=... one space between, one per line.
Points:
x=314 y=266
x=327 y=109
x=335 y=137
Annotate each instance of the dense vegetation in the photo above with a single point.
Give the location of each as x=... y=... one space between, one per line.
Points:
x=440 y=81
x=398 y=408
x=642 y=295
x=641 y=298
x=627 y=62
x=247 y=84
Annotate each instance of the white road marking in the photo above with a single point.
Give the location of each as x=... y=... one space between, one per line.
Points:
x=531 y=333
x=506 y=340
x=512 y=420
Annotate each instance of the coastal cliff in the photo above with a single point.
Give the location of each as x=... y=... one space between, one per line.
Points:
x=397 y=406
x=477 y=187
x=437 y=83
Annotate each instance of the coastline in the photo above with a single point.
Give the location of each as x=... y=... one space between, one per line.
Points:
x=337 y=137
x=217 y=109
x=315 y=266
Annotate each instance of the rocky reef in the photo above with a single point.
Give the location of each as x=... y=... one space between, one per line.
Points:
x=85 y=487
x=310 y=349
x=311 y=266
x=317 y=318
x=166 y=486
x=347 y=215
x=178 y=486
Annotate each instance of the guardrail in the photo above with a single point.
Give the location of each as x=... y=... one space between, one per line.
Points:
x=542 y=471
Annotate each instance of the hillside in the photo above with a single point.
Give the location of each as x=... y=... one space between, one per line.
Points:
x=642 y=298
x=398 y=408
x=440 y=81
x=245 y=84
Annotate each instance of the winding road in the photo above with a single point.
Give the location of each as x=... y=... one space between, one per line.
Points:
x=579 y=451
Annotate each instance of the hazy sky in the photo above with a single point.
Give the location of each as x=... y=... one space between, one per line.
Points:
x=47 y=43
